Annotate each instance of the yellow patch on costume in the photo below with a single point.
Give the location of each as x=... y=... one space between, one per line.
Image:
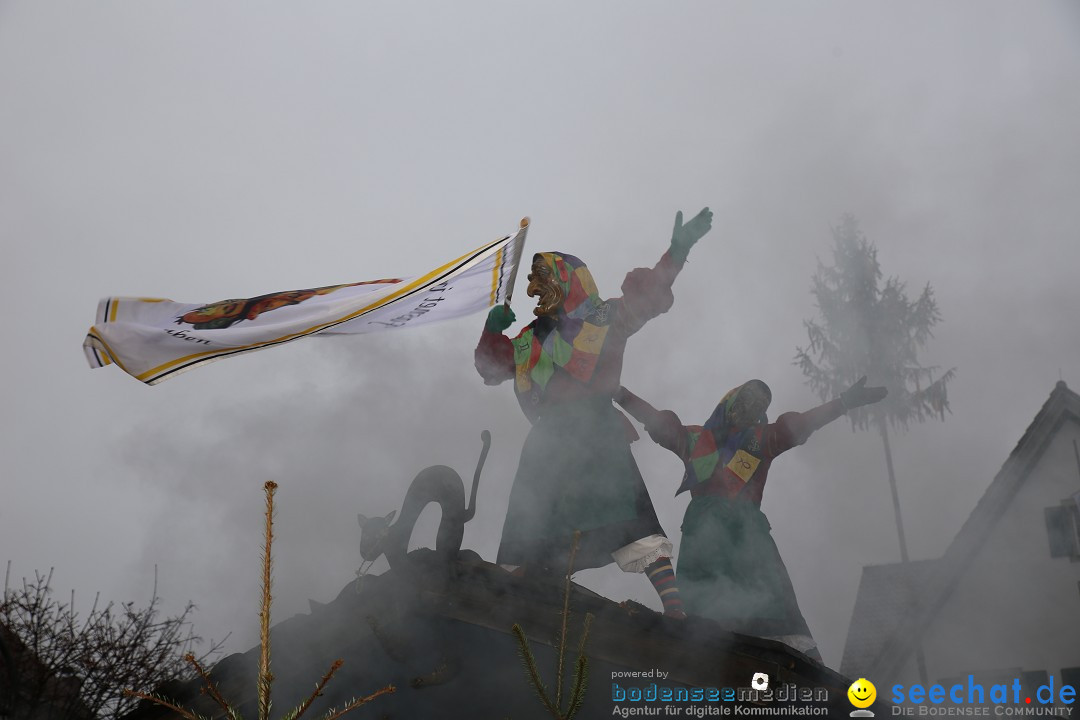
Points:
x=743 y=464
x=587 y=283
x=522 y=379
x=591 y=338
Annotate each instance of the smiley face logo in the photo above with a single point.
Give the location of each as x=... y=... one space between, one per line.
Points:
x=862 y=693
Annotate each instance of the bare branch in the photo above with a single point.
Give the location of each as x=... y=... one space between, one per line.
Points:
x=80 y=666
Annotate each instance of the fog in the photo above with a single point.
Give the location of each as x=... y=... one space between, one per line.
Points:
x=204 y=151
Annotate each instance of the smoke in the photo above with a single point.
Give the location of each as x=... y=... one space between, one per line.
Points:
x=336 y=447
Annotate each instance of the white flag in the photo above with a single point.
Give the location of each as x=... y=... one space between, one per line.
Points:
x=153 y=340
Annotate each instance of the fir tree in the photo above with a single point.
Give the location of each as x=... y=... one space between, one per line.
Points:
x=873 y=329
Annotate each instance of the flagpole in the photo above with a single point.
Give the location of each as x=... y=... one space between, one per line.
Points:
x=524 y=225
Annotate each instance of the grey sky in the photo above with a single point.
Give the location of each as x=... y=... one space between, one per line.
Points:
x=199 y=151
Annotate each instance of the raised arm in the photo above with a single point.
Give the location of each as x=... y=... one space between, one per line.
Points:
x=663 y=426
x=795 y=428
x=494 y=356
x=647 y=292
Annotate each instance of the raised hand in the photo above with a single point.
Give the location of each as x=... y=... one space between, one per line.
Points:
x=683 y=237
x=499 y=318
x=858 y=395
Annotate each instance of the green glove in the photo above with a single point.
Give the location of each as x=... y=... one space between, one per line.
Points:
x=858 y=395
x=499 y=318
x=683 y=237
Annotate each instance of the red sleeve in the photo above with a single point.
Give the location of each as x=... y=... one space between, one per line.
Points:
x=795 y=428
x=494 y=358
x=647 y=293
x=663 y=426
x=667 y=431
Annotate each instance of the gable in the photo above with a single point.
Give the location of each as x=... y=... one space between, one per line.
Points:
x=883 y=649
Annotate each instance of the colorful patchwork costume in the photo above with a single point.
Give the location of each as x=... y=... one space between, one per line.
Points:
x=730 y=569
x=576 y=470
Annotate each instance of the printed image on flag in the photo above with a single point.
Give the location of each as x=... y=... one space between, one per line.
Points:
x=153 y=339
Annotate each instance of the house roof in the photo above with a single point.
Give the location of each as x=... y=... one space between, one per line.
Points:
x=894 y=603
x=888 y=595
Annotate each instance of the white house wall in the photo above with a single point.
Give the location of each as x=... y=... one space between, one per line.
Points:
x=1016 y=606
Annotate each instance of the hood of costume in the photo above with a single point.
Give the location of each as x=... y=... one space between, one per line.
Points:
x=571 y=339
x=722 y=443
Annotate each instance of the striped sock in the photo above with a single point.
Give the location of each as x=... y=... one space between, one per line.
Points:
x=662 y=576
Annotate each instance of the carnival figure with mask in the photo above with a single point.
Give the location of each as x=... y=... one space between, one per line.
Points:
x=576 y=471
x=730 y=569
